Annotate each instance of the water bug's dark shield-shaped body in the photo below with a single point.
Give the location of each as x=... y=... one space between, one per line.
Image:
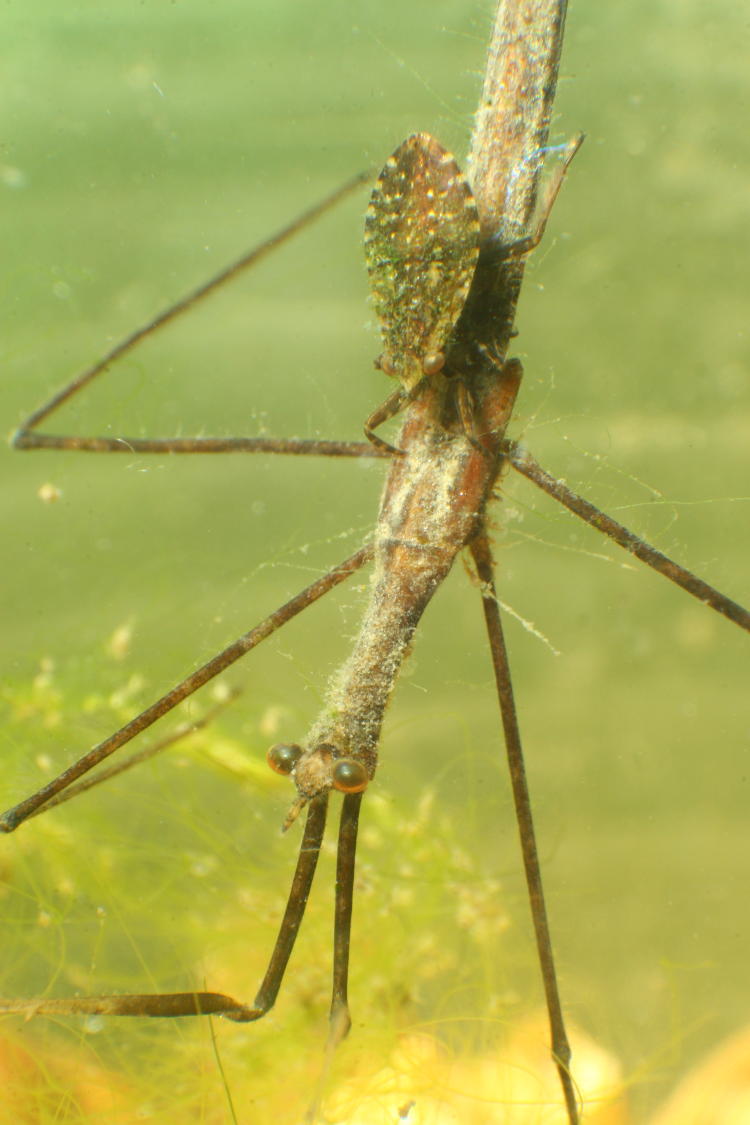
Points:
x=421 y=245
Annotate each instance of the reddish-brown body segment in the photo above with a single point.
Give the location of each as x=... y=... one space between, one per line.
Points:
x=432 y=506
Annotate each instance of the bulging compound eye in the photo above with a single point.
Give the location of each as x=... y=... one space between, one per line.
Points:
x=349 y=776
x=433 y=363
x=283 y=757
x=385 y=364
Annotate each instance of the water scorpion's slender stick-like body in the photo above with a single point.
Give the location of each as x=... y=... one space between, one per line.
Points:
x=446 y=256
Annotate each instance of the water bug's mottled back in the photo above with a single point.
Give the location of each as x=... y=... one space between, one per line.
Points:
x=421 y=245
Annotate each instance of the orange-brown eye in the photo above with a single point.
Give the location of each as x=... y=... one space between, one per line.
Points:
x=283 y=757
x=385 y=364
x=433 y=363
x=349 y=776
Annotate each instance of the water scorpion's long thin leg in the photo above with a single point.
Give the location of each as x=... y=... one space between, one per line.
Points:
x=446 y=256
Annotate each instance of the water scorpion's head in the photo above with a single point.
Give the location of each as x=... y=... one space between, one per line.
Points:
x=315 y=771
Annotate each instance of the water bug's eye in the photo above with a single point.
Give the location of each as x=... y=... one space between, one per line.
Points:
x=349 y=776
x=283 y=757
x=385 y=364
x=433 y=363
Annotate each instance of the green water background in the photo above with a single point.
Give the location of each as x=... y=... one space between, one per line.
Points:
x=144 y=147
